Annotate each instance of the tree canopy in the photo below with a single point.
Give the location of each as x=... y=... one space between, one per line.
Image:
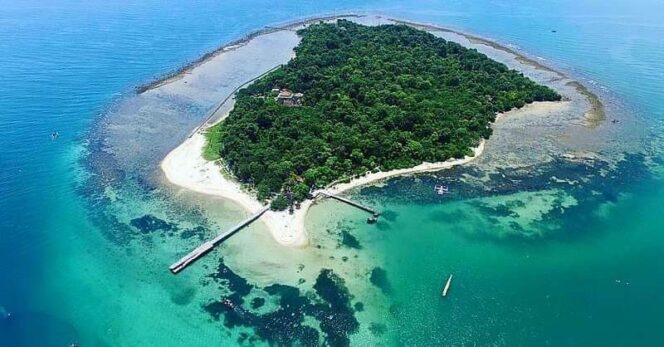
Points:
x=375 y=97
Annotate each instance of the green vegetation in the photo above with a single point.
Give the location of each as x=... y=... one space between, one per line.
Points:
x=279 y=203
x=384 y=97
x=212 y=148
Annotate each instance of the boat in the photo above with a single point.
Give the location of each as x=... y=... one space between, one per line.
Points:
x=440 y=189
x=447 y=286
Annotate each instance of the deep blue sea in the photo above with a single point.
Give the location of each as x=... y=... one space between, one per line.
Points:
x=64 y=64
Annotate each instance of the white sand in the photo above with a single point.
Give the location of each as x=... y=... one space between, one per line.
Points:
x=424 y=167
x=186 y=167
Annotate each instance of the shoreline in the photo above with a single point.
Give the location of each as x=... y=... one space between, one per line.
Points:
x=186 y=168
x=421 y=168
x=593 y=117
x=233 y=45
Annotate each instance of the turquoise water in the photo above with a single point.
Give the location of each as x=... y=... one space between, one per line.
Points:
x=590 y=267
x=534 y=262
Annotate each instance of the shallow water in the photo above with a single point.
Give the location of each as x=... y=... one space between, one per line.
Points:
x=570 y=260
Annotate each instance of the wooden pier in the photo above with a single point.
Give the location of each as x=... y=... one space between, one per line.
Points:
x=352 y=203
x=209 y=245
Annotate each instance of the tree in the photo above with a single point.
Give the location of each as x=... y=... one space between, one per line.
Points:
x=385 y=97
x=279 y=203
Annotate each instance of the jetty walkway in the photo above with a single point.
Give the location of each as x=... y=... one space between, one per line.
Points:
x=209 y=245
x=206 y=247
x=351 y=202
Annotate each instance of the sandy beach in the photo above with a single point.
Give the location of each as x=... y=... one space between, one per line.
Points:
x=185 y=166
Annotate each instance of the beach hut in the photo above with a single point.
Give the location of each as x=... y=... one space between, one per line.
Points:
x=288 y=98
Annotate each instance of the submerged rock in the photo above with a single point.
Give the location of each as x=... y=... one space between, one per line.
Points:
x=330 y=306
x=379 y=279
x=350 y=241
x=149 y=223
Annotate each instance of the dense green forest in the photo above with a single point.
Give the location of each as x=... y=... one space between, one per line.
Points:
x=375 y=98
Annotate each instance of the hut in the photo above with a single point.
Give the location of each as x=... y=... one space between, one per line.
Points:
x=288 y=98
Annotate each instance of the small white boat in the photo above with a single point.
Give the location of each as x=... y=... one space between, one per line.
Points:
x=440 y=189
x=447 y=286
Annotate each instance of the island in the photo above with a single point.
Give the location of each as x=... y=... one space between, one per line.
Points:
x=356 y=104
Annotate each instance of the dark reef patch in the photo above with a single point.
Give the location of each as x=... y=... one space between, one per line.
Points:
x=383 y=226
x=183 y=297
x=377 y=329
x=257 y=303
x=379 y=279
x=329 y=304
x=589 y=182
x=198 y=232
x=149 y=223
x=446 y=216
x=118 y=173
x=389 y=215
x=335 y=315
x=500 y=210
x=238 y=286
x=350 y=241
